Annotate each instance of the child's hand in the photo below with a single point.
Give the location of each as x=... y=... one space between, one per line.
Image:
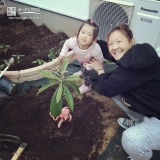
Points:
x=61 y=58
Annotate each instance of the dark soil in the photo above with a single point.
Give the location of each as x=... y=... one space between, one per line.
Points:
x=25 y=38
x=27 y=116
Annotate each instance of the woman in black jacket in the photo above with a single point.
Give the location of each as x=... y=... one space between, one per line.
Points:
x=135 y=87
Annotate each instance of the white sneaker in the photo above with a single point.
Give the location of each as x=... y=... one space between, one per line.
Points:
x=79 y=73
x=126 y=123
x=83 y=89
x=130 y=158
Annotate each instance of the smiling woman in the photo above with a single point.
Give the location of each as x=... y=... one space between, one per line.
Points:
x=120 y=41
x=134 y=88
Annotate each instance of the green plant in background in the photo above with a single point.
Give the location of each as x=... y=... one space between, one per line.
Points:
x=53 y=54
x=4 y=48
x=2 y=66
x=18 y=57
x=39 y=61
x=6 y=62
x=59 y=50
x=59 y=78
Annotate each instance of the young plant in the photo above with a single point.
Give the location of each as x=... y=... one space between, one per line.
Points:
x=39 y=61
x=59 y=78
x=18 y=57
x=6 y=62
x=59 y=50
x=52 y=54
x=2 y=66
x=4 y=48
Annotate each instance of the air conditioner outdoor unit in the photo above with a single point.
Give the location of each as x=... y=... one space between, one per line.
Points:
x=143 y=17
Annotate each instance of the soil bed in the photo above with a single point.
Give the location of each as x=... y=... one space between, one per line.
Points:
x=25 y=38
x=27 y=116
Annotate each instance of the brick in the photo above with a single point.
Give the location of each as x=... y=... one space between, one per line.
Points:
x=45 y=66
x=12 y=74
x=15 y=80
x=28 y=72
x=34 y=77
x=22 y=79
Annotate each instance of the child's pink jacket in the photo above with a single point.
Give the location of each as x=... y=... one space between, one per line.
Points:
x=82 y=55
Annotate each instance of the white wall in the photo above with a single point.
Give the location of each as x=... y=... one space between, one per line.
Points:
x=54 y=21
x=74 y=8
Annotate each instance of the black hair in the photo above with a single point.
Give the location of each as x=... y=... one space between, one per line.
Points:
x=93 y=24
x=124 y=28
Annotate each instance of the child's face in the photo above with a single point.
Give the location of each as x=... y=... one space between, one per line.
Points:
x=85 y=37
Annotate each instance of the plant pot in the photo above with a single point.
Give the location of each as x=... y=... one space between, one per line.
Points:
x=7 y=86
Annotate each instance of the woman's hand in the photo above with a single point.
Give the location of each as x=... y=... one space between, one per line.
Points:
x=96 y=64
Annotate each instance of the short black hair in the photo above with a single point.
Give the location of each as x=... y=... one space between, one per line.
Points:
x=93 y=24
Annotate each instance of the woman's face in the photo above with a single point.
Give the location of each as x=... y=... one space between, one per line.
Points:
x=118 y=44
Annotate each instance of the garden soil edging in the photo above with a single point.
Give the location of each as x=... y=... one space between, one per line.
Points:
x=34 y=73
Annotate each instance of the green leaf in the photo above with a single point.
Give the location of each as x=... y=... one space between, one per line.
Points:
x=6 y=61
x=7 y=46
x=45 y=87
x=51 y=50
x=53 y=80
x=34 y=62
x=65 y=64
x=1 y=66
x=73 y=78
x=57 y=73
x=69 y=98
x=59 y=93
x=50 y=55
x=55 y=108
x=58 y=52
x=62 y=42
x=75 y=87
x=48 y=75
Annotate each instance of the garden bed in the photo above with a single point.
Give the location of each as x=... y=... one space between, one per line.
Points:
x=28 y=41
x=27 y=116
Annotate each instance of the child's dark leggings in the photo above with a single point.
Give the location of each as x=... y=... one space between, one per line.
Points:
x=85 y=75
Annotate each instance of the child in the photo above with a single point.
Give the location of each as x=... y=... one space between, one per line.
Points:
x=85 y=47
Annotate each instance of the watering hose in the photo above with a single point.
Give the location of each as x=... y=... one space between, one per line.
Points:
x=11 y=62
x=9 y=138
x=14 y=139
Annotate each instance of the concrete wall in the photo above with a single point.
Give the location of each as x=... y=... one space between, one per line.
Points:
x=55 y=22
